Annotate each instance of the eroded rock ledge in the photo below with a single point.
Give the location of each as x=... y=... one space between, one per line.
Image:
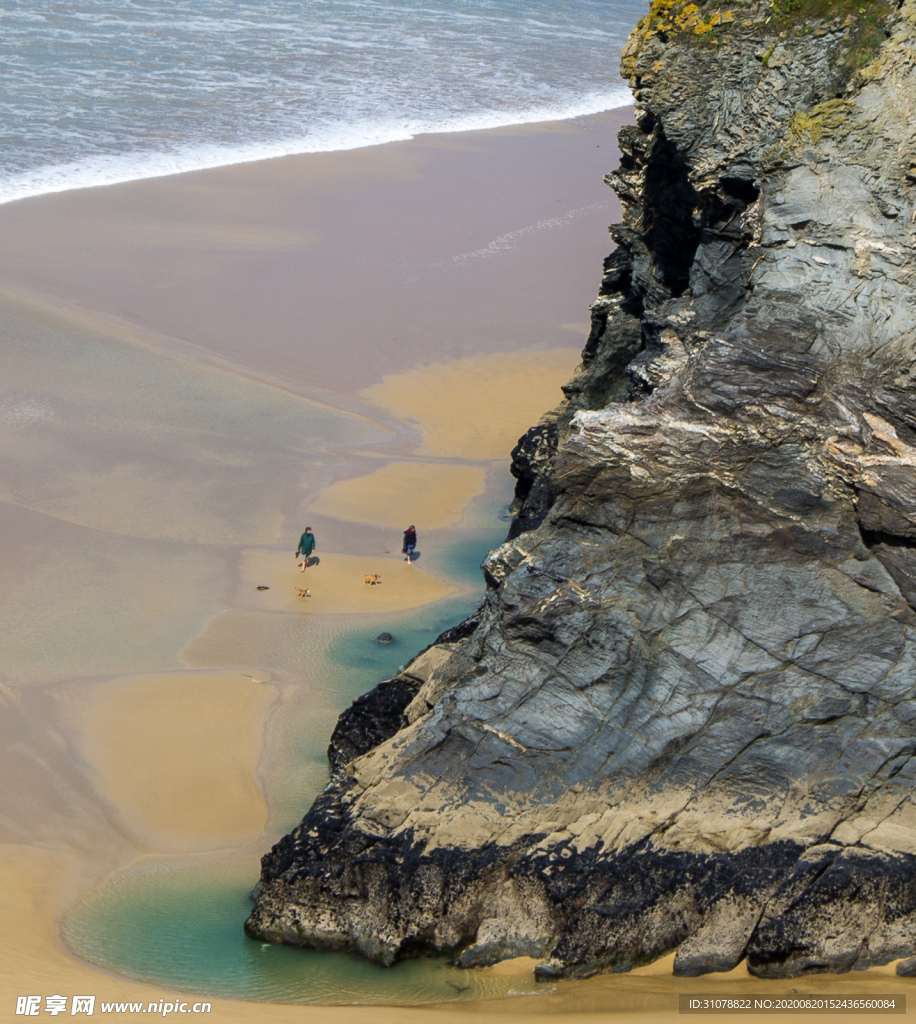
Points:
x=685 y=716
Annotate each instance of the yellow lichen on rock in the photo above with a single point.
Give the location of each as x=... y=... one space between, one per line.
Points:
x=669 y=16
x=823 y=119
x=688 y=17
x=691 y=20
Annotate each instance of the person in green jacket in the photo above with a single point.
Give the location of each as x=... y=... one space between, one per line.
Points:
x=306 y=547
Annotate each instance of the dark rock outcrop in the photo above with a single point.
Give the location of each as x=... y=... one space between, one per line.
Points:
x=369 y=720
x=531 y=464
x=685 y=717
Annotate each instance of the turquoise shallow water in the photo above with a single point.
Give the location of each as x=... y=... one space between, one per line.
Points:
x=461 y=561
x=362 y=661
x=352 y=662
x=180 y=924
x=182 y=927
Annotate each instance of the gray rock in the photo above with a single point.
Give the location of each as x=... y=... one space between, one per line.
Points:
x=907 y=968
x=685 y=716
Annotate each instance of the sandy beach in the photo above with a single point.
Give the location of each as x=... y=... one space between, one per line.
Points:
x=331 y=270
x=195 y=368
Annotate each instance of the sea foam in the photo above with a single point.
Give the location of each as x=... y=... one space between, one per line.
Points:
x=97 y=92
x=117 y=168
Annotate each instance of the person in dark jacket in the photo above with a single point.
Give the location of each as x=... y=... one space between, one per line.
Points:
x=410 y=541
x=306 y=547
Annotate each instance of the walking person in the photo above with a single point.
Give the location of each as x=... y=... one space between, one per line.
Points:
x=410 y=542
x=306 y=547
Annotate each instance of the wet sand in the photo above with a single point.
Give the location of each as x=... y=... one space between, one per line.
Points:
x=331 y=270
x=143 y=738
x=194 y=368
x=388 y=496
x=470 y=409
x=336 y=584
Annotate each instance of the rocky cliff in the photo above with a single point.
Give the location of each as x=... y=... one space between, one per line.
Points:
x=685 y=716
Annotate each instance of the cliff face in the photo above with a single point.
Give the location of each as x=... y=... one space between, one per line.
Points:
x=685 y=716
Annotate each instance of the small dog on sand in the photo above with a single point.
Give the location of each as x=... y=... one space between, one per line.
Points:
x=372 y=578
x=303 y=592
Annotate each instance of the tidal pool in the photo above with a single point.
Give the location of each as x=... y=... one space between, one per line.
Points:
x=181 y=927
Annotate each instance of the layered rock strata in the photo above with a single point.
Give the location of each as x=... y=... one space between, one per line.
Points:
x=685 y=716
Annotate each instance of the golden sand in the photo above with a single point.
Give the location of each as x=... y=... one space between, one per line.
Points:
x=477 y=408
x=471 y=409
x=336 y=584
x=517 y=967
x=38 y=884
x=176 y=754
x=434 y=494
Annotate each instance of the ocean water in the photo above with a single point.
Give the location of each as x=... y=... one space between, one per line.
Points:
x=102 y=91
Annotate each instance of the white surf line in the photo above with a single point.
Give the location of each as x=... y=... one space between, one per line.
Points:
x=119 y=168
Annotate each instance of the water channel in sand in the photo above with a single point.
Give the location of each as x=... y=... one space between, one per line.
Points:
x=167 y=719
